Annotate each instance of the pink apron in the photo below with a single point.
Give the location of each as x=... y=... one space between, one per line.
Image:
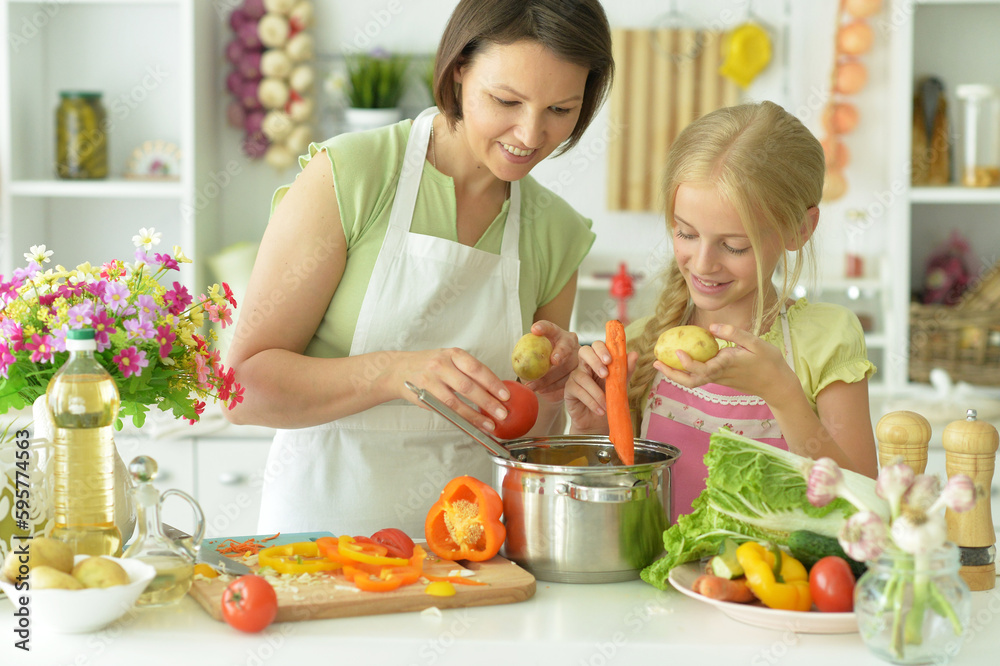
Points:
x=687 y=418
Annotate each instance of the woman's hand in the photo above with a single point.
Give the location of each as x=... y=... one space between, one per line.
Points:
x=564 y=359
x=446 y=374
x=585 y=399
x=753 y=366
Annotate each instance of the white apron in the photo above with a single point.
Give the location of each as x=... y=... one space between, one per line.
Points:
x=385 y=467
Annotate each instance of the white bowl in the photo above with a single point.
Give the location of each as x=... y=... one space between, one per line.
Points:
x=80 y=611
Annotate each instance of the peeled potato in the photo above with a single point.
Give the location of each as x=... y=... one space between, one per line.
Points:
x=696 y=341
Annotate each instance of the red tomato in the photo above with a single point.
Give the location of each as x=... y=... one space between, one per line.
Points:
x=396 y=542
x=522 y=411
x=249 y=603
x=831 y=583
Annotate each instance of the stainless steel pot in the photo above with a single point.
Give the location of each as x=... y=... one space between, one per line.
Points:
x=573 y=516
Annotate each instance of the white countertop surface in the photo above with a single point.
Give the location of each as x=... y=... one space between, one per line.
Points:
x=576 y=625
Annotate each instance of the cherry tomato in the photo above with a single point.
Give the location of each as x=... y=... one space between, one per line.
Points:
x=396 y=542
x=522 y=411
x=831 y=583
x=249 y=603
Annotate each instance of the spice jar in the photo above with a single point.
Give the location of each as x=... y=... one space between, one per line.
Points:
x=81 y=136
x=979 y=160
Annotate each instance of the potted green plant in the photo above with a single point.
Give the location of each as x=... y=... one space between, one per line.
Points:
x=376 y=82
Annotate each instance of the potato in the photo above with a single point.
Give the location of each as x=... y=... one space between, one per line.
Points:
x=696 y=341
x=47 y=578
x=530 y=358
x=99 y=572
x=42 y=552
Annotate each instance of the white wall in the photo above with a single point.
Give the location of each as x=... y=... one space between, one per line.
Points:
x=797 y=78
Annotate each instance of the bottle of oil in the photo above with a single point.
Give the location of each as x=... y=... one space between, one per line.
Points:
x=173 y=560
x=83 y=401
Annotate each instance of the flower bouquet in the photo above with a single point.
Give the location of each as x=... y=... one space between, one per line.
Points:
x=911 y=604
x=147 y=334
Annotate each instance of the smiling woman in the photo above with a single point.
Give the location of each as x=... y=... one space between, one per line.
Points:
x=444 y=252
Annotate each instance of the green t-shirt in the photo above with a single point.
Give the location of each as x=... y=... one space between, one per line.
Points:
x=554 y=238
x=828 y=345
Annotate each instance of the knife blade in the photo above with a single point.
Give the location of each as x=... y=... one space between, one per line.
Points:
x=208 y=554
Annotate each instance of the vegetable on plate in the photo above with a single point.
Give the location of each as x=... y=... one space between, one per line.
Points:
x=723 y=589
x=776 y=578
x=464 y=523
x=831 y=584
x=754 y=491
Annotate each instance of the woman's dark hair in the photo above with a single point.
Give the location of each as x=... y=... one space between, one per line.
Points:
x=575 y=30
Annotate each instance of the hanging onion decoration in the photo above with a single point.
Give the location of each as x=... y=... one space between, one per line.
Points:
x=272 y=80
x=854 y=38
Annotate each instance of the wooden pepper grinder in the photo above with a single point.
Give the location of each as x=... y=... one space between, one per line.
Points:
x=970 y=448
x=903 y=434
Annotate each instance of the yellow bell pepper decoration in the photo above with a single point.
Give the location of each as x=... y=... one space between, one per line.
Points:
x=788 y=590
x=296 y=558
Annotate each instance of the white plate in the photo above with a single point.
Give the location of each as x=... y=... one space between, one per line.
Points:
x=813 y=622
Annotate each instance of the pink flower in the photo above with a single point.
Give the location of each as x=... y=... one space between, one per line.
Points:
x=228 y=294
x=165 y=338
x=166 y=261
x=103 y=326
x=130 y=361
x=6 y=359
x=177 y=299
x=41 y=348
x=80 y=315
x=201 y=370
x=137 y=328
x=237 y=396
x=219 y=313
x=147 y=307
x=116 y=298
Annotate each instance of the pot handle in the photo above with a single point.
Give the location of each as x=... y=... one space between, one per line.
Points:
x=614 y=494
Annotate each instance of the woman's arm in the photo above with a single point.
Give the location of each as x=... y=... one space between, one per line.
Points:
x=298 y=269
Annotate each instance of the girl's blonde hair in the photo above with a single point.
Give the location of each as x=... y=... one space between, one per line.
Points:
x=770 y=167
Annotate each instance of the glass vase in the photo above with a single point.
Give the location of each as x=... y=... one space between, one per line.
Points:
x=913 y=609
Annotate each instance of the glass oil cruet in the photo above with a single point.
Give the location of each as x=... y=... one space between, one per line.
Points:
x=173 y=560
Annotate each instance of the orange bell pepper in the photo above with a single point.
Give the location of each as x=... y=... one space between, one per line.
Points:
x=388 y=577
x=464 y=524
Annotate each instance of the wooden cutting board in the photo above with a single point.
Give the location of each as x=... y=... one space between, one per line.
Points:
x=322 y=597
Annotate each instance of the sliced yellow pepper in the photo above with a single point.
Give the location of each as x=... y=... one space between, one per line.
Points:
x=368 y=553
x=788 y=591
x=296 y=558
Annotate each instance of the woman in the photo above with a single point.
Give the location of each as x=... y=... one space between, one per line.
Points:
x=421 y=254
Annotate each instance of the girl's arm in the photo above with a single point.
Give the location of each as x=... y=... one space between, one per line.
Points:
x=298 y=269
x=841 y=431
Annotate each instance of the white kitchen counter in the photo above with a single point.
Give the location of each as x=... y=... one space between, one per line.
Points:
x=576 y=625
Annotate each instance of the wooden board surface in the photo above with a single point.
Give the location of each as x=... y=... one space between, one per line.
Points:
x=322 y=596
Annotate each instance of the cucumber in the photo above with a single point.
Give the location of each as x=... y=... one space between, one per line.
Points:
x=809 y=548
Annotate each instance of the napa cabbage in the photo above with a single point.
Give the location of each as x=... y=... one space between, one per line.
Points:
x=753 y=491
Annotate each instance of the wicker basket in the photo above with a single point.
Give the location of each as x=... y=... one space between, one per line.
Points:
x=963 y=339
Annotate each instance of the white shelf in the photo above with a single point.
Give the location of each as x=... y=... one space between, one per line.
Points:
x=113 y=188
x=955 y=194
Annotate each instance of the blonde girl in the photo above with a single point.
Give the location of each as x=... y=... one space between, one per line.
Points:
x=742 y=186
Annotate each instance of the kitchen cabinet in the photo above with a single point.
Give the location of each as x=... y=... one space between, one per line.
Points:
x=956 y=42
x=153 y=90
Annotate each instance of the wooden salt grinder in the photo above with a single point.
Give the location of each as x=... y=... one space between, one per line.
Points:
x=970 y=448
x=903 y=434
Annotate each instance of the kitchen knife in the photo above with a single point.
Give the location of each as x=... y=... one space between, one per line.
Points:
x=208 y=554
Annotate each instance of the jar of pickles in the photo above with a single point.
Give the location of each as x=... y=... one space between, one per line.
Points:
x=979 y=159
x=81 y=136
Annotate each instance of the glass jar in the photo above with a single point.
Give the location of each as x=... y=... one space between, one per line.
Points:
x=913 y=609
x=81 y=136
x=979 y=135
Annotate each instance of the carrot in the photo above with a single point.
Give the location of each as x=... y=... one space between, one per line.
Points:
x=249 y=547
x=723 y=589
x=616 y=393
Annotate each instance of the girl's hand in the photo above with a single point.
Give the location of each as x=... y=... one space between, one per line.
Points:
x=753 y=366
x=446 y=374
x=564 y=359
x=585 y=399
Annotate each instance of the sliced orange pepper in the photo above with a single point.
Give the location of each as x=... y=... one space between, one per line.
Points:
x=388 y=577
x=464 y=524
x=296 y=558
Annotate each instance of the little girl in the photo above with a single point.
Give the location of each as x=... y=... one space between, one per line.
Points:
x=742 y=187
